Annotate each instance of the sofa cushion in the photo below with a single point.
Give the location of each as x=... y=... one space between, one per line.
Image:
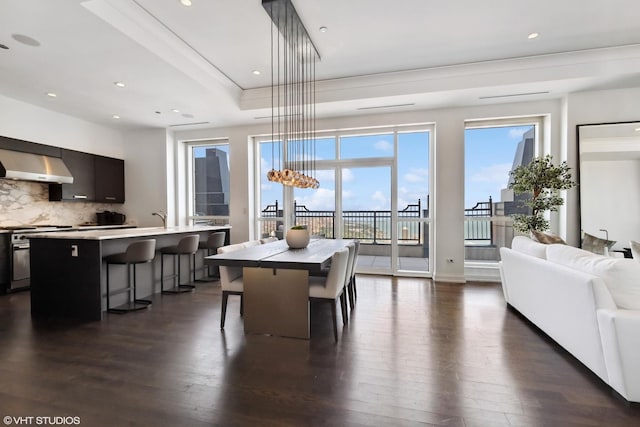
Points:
x=621 y=276
x=546 y=238
x=527 y=246
x=595 y=244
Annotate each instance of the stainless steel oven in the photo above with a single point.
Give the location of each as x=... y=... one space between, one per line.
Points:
x=19 y=263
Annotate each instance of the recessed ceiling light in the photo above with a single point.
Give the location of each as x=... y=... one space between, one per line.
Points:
x=29 y=41
x=532 y=36
x=119 y=84
x=175 y=110
x=51 y=95
x=323 y=29
x=256 y=72
x=186 y=2
x=115 y=116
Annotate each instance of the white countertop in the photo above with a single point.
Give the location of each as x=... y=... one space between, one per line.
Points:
x=125 y=233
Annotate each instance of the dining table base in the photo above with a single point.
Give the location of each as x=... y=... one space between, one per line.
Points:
x=276 y=302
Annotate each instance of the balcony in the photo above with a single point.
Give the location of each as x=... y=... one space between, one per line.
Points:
x=484 y=232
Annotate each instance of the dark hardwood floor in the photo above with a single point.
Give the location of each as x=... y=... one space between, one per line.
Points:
x=414 y=353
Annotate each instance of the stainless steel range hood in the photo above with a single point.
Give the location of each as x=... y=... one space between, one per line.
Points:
x=33 y=167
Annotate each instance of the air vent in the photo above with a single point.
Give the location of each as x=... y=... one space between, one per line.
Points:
x=387 y=106
x=513 y=94
x=189 y=124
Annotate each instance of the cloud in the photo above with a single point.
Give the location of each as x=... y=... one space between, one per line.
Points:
x=383 y=145
x=416 y=175
x=497 y=173
x=516 y=133
x=347 y=175
x=321 y=200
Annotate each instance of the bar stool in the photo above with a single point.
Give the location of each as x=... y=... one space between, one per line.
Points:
x=211 y=245
x=188 y=245
x=139 y=252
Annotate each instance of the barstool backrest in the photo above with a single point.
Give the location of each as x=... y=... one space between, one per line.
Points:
x=141 y=251
x=216 y=240
x=189 y=244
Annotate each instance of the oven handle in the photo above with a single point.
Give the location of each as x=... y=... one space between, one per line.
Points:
x=20 y=246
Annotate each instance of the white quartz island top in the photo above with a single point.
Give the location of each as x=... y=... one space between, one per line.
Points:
x=126 y=233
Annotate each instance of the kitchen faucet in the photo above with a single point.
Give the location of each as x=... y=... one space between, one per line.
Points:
x=163 y=217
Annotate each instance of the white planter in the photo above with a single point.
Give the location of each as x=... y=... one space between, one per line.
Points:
x=297 y=239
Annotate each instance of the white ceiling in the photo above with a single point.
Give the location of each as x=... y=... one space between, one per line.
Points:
x=413 y=53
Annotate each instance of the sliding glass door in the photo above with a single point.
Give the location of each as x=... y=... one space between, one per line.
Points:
x=374 y=186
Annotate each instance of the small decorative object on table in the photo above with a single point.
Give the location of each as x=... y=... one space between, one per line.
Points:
x=298 y=237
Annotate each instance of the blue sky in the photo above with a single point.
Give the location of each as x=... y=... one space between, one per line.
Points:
x=488 y=159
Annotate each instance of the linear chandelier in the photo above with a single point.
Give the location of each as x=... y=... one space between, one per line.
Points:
x=293 y=97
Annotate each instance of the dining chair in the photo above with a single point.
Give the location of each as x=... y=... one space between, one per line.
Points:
x=329 y=289
x=347 y=279
x=352 y=282
x=230 y=282
x=268 y=239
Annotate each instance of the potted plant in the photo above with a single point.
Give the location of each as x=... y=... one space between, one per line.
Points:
x=542 y=180
x=298 y=237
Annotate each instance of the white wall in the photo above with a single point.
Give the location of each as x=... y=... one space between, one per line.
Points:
x=30 y=123
x=149 y=177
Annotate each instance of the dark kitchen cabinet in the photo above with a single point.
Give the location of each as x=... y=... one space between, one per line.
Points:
x=109 y=180
x=81 y=166
x=95 y=179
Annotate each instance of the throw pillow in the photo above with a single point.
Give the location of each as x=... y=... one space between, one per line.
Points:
x=546 y=238
x=635 y=249
x=619 y=275
x=527 y=246
x=596 y=245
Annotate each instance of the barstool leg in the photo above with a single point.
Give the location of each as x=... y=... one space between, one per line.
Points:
x=135 y=291
x=161 y=273
x=108 y=287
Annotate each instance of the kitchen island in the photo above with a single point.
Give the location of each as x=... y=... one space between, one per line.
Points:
x=68 y=274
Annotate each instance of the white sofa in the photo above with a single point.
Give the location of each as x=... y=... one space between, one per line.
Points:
x=589 y=304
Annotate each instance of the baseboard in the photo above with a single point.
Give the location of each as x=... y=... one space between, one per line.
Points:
x=452 y=278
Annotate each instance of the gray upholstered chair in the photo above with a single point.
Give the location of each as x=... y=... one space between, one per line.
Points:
x=329 y=289
x=188 y=245
x=230 y=282
x=139 y=252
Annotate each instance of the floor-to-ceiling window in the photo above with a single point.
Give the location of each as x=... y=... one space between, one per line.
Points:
x=492 y=150
x=374 y=186
x=208 y=184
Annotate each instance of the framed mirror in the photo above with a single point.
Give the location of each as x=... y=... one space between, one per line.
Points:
x=609 y=182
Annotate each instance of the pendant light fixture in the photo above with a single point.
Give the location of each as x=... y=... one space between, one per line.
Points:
x=293 y=78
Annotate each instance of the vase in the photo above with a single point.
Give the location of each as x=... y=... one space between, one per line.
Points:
x=297 y=238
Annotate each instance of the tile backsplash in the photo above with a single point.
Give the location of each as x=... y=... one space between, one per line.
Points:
x=23 y=203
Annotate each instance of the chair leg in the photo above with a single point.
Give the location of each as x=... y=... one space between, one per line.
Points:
x=161 y=273
x=335 y=320
x=108 y=287
x=135 y=291
x=223 y=313
x=355 y=289
x=349 y=290
x=343 y=307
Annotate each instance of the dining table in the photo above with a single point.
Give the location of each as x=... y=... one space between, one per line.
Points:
x=276 y=283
